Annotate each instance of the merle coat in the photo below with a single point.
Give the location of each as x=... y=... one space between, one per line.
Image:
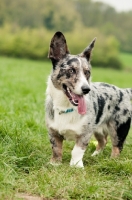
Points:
x=76 y=108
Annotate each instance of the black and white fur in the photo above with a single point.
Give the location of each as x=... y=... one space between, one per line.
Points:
x=108 y=108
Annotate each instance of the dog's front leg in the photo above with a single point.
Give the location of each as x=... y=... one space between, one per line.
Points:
x=78 y=152
x=77 y=155
x=56 y=142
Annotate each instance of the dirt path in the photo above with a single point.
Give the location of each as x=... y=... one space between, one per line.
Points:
x=28 y=197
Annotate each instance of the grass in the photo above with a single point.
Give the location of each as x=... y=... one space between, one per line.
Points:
x=25 y=149
x=126 y=59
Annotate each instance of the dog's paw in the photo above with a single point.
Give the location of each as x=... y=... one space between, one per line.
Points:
x=95 y=153
x=55 y=162
x=78 y=164
x=77 y=156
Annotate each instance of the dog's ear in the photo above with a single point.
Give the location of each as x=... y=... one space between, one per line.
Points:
x=87 y=52
x=58 y=47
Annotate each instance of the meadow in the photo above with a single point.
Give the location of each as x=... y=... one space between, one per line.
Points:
x=25 y=149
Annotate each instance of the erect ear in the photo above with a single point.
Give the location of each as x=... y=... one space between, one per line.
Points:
x=58 y=47
x=87 y=52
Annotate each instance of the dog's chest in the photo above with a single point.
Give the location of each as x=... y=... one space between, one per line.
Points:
x=69 y=125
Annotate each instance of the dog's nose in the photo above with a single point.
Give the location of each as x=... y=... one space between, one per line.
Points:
x=85 y=89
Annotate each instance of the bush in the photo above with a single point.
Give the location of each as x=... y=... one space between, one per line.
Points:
x=34 y=44
x=106 y=50
x=107 y=53
x=24 y=43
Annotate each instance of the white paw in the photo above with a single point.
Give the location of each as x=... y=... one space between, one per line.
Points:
x=78 y=164
x=95 y=153
x=77 y=156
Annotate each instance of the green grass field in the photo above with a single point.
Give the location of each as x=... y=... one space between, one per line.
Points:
x=126 y=60
x=25 y=149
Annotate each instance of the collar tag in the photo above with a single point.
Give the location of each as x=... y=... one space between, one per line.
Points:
x=66 y=111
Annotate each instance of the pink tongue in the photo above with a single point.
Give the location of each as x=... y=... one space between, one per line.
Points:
x=81 y=105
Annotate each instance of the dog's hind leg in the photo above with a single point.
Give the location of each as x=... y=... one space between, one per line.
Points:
x=56 y=142
x=118 y=137
x=101 y=136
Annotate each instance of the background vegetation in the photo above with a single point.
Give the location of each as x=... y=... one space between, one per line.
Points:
x=26 y=28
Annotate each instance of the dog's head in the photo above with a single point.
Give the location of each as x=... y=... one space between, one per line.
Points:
x=71 y=73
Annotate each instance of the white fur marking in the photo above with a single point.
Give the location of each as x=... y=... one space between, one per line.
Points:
x=96 y=153
x=69 y=125
x=77 y=155
x=81 y=81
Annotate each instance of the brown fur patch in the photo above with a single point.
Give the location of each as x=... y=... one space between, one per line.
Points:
x=56 y=142
x=115 y=152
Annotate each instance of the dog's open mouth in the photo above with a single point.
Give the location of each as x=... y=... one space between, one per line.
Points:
x=76 y=100
x=71 y=96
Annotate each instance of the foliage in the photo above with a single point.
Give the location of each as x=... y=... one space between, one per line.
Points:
x=66 y=15
x=28 y=43
x=34 y=44
x=107 y=20
x=55 y=16
x=25 y=149
x=38 y=13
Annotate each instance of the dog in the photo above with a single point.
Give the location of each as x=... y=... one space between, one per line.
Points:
x=76 y=108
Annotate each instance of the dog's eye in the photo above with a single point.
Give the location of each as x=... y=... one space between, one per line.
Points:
x=87 y=73
x=71 y=71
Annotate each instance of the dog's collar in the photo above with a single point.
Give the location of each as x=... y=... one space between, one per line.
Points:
x=66 y=111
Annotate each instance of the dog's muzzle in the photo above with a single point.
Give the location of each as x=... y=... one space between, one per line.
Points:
x=77 y=100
